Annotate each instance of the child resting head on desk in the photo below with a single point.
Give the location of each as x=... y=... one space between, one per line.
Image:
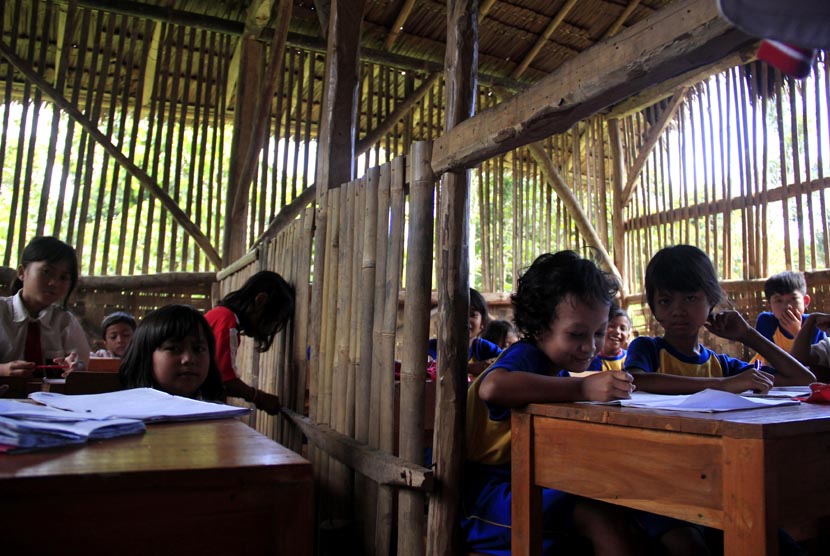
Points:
x=173 y=351
x=682 y=290
x=36 y=329
x=561 y=310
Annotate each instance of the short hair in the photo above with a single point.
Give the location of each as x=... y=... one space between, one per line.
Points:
x=51 y=250
x=275 y=316
x=784 y=283
x=171 y=321
x=116 y=318
x=497 y=331
x=477 y=303
x=682 y=268
x=550 y=279
x=617 y=311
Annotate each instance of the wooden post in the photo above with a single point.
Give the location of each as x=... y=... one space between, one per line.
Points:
x=461 y=62
x=617 y=221
x=415 y=338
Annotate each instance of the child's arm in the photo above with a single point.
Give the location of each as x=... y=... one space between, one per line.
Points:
x=659 y=383
x=817 y=359
x=732 y=326
x=516 y=388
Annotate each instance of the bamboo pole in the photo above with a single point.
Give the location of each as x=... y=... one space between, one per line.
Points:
x=415 y=337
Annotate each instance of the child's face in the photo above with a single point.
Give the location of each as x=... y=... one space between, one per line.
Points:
x=616 y=335
x=510 y=339
x=44 y=283
x=780 y=303
x=117 y=338
x=476 y=323
x=575 y=334
x=181 y=366
x=681 y=313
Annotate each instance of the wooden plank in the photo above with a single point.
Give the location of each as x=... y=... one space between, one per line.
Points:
x=543 y=38
x=397 y=26
x=683 y=36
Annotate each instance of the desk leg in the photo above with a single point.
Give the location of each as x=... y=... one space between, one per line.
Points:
x=749 y=499
x=526 y=501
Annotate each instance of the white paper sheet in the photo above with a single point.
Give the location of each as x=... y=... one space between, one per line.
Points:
x=707 y=401
x=146 y=404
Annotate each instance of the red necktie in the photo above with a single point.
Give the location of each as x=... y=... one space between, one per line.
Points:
x=33 y=352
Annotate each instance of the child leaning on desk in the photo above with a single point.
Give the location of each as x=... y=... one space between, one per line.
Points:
x=173 y=351
x=815 y=355
x=682 y=289
x=35 y=326
x=561 y=309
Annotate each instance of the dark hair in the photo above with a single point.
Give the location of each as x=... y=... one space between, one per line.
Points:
x=784 y=283
x=617 y=311
x=682 y=268
x=116 y=318
x=477 y=303
x=497 y=331
x=171 y=321
x=549 y=280
x=276 y=314
x=51 y=250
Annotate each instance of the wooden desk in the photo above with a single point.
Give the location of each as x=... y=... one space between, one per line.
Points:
x=746 y=472
x=212 y=487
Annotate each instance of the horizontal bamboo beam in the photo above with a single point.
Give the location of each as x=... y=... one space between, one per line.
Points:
x=383 y=468
x=296 y=40
x=146 y=281
x=684 y=35
x=140 y=175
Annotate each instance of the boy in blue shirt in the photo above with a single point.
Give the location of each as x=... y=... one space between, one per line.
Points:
x=787 y=297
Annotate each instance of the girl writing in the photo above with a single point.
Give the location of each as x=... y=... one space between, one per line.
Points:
x=35 y=326
x=173 y=351
x=682 y=290
x=259 y=309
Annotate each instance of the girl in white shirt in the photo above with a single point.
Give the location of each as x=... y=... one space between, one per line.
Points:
x=47 y=274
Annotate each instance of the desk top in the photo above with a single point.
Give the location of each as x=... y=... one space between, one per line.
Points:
x=225 y=444
x=772 y=422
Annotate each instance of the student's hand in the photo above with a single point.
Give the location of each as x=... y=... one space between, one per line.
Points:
x=753 y=379
x=791 y=321
x=69 y=363
x=269 y=403
x=607 y=386
x=820 y=321
x=728 y=324
x=17 y=368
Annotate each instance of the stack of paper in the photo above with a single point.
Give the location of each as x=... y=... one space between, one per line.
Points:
x=146 y=404
x=26 y=427
x=707 y=401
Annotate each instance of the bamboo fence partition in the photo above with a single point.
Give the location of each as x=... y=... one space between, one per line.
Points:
x=351 y=385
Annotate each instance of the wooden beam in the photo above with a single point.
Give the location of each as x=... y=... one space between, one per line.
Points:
x=543 y=39
x=651 y=95
x=383 y=468
x=620 y=21
x=140 y=175
x=150 y=65
x=684 y=35
x=397 y=26
x=617 y=224
x=652 y=136
x=323 y=9
x=484 y=9
x=581 y=220
x=257 y=17
x=234 y=245
x=400 y=111
x=145 y=281
x=443 y=533
x=61 y=21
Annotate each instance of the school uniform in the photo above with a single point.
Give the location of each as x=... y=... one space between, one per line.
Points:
x=480 y=350
x=608 y=362
x=225 y=326
x=487 y=490
x=60 y=331
x=655 y=355
x=770 y=328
